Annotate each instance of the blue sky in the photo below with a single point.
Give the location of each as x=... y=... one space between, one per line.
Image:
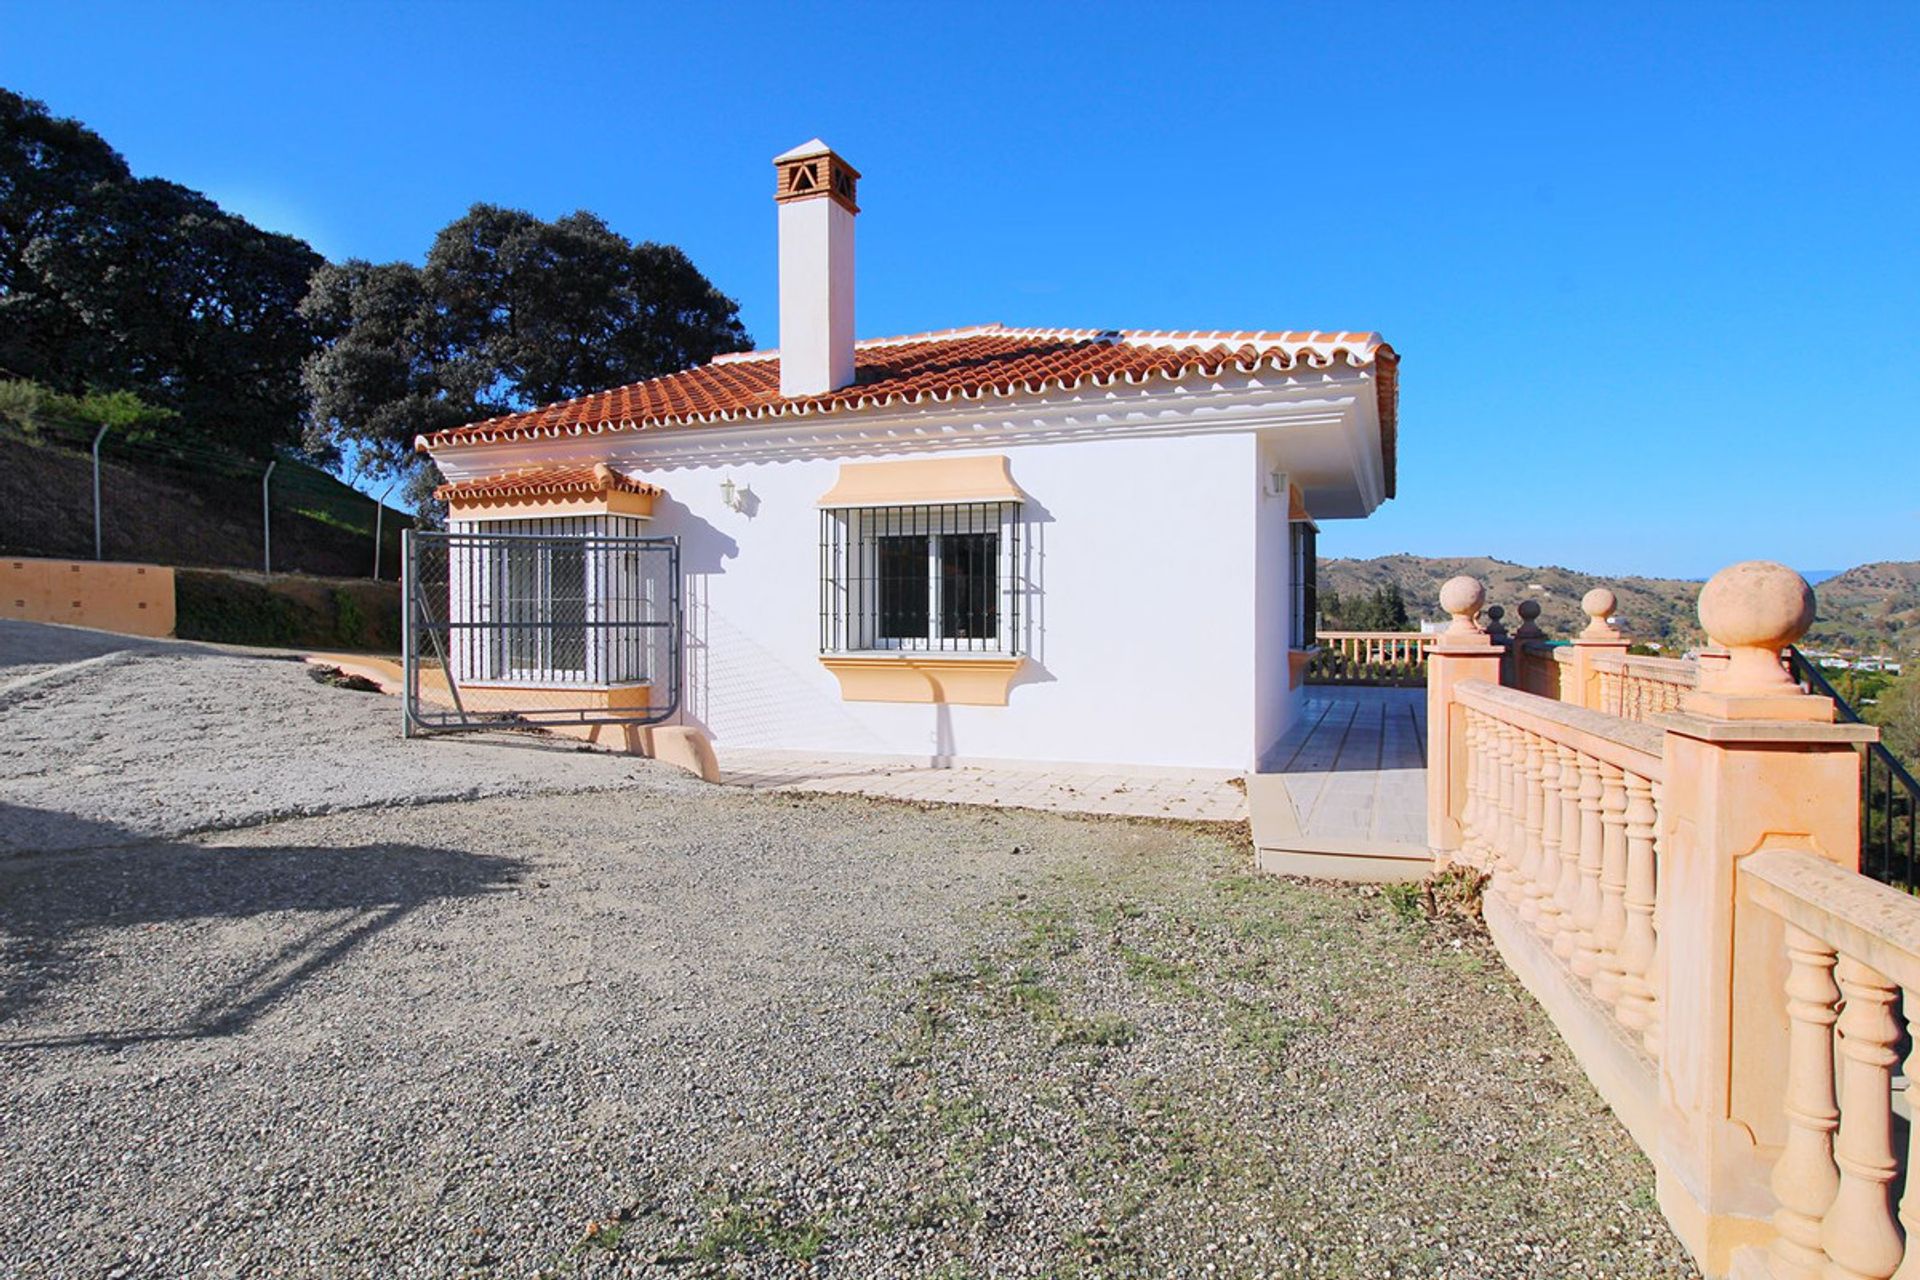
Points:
x=1652 y=269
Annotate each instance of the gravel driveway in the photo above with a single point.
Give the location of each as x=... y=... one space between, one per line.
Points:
x=654 y=1027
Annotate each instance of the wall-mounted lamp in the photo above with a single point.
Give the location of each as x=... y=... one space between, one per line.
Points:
x=733 y=496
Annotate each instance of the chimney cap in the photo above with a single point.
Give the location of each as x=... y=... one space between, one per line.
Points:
x=813 y=147
x=815 y=169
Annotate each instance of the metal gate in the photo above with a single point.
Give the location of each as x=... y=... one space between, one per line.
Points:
x=540 y=629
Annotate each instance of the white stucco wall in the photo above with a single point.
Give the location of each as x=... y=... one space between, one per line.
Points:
x=1274 y=701
x=1153 y=566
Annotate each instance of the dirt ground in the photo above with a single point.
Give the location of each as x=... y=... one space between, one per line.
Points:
x=282 y=993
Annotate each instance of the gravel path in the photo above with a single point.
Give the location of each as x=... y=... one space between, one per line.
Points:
x=165 y=739
x=670 y=1029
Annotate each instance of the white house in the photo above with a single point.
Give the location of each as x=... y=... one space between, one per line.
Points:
x=981 y=543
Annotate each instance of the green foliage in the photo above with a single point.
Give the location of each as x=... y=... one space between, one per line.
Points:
x=228 y=608
x=1407 y=901
x=1897 y=712
x=146 y=287
x=1382 y=609
x=509 y=312
x=38 y=413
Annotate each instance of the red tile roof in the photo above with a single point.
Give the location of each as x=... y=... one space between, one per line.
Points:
x=979 y=363
x=540 y=482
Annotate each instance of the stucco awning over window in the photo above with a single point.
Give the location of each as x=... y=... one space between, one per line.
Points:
x=549 y=491
x=923 y=481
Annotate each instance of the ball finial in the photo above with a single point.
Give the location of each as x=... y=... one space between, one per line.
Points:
x=1599 y=604
x=1755 y=609
x=1462 y=597
x=1529 y=621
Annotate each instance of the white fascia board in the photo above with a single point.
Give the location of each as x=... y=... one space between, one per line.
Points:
x=1303 y=399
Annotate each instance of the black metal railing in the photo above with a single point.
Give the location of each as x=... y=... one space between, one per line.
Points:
x=1889 y=797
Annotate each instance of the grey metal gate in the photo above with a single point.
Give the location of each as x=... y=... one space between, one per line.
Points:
x=533 y=629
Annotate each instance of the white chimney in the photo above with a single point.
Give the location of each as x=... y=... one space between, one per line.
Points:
x=815 y=196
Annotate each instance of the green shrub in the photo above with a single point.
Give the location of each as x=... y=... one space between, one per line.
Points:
x=290 y=612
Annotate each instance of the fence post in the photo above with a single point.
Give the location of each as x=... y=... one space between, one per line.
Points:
x=1463 y=652
x=99 y=543
x=266 y=518
x=1751 y=762
x=1600 y=636
x=379 y=520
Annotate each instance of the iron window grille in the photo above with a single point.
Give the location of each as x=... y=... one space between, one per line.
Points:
x=1303 y=539
x=551 y=602
x=931 y=578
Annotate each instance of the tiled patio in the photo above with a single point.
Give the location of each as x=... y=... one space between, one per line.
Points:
x=1349 y=781
x=1195 y=796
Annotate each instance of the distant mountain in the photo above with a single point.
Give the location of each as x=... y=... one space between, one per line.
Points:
x=1874 y=608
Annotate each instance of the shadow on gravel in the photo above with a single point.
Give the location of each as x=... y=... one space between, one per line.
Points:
x=66 y=922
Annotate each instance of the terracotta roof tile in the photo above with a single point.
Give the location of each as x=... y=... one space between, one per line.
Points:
x=534 y=482
x=977 y=363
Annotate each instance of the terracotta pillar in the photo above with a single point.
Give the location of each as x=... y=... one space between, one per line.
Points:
x=1463 y=652
x=1752 y=762
x=1600 y=636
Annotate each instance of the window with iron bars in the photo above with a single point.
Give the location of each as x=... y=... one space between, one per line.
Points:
x=935 y=578
x=1303 y=539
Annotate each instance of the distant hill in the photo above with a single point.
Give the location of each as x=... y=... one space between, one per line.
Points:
x=1873 y=608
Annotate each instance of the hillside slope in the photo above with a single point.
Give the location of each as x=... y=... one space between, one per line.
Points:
x=1873 y=608
x=320 y=526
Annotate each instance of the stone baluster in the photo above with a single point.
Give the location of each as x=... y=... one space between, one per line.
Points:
x=1910 y=1197
x=1473 y=819
x=1547 y=916
x=1491 y=851
x=1634 y=1005
x=1805 y=1177
x=1584 y=953
x=1611 y=933
x=1531 y=802
x=1488 y=776
x=1859 y=1234
x=1653 y=1034
x=1508 y=828
x=1567 y=891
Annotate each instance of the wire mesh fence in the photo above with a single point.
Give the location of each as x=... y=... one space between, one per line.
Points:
x=71 y=490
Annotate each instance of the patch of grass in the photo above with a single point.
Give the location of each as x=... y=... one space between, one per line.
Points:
x=1152 y=968
x=1259 y=1029
x=747 y=1228
x=1049 y=932
x=1103 y=1030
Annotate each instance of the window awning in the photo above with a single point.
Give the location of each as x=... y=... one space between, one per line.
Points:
x=923 y=482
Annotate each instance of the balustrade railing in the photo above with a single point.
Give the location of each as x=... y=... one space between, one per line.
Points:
x=1639 y=688
x=1852 y=952
x=1675 y=873
x=1370 y=657
x=1563 y=808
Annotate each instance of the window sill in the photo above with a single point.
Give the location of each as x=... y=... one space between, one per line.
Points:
x=961 y=679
